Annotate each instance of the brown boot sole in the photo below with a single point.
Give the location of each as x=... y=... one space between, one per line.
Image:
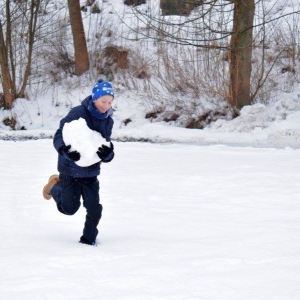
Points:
x=51 y=182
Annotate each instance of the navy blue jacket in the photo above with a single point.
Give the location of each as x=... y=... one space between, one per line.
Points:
x=102 y=125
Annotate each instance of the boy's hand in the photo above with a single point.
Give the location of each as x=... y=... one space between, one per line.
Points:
x=105 y=153
x=71 y=155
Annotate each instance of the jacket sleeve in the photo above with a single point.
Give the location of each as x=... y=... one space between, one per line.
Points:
x=58 y=141
x=111 y=155
x=109 y=130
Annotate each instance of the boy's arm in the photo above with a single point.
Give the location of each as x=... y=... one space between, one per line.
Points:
x=58 y=141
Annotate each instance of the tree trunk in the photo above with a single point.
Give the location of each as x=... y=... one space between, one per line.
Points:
x=8 y=86
x=80 y=47
x=34 y=8
x=241 y=53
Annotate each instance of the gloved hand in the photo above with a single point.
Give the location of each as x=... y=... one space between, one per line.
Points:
x=105 y=153
x=71 y=155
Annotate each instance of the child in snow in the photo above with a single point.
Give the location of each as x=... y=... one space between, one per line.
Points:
x=75 y=181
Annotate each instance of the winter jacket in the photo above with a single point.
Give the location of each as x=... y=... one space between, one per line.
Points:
x=102 y=123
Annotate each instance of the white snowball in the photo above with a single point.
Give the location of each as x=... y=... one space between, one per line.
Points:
x=84 y=140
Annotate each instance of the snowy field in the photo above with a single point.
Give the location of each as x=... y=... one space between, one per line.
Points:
x=210 y=214
x=179 y=222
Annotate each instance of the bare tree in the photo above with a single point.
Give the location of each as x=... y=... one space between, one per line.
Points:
x=9 y=89
x=32 y=27
x=28 y=11
x=226 y=25
x=80 y=47
x=241 y=53
x=25 y=29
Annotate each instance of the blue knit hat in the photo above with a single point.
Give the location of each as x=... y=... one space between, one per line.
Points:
x=102 y=88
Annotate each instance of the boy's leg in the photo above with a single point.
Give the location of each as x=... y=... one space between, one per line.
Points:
x=91 y=201
x=66 y=194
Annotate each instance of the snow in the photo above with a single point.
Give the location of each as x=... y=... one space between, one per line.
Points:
x=206 y=214
x=84 y=140
x=179 y=222
x=275 y=125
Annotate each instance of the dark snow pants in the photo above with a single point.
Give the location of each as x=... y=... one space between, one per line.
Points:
x=67 y=193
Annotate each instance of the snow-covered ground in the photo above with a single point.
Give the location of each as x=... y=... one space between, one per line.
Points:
x=179 y=222
x=193 y=216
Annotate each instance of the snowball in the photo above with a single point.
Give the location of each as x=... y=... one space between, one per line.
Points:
x=84 y=140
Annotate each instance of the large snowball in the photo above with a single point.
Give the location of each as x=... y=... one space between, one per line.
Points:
x=84 y=140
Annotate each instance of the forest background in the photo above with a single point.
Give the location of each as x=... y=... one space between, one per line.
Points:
x=187 y=63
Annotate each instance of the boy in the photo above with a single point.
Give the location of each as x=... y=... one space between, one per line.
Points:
x=75 y=181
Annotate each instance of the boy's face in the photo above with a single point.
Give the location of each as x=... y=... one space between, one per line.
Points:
x=103 y=104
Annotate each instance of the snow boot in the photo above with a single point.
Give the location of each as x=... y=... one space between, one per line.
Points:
x=84 y=240
x=46 y=190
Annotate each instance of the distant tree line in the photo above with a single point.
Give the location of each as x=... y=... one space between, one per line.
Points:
x=23 y=23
